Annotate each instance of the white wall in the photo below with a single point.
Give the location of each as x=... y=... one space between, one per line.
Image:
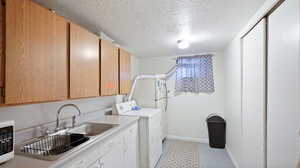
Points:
x=186 y=113
x=135 y=66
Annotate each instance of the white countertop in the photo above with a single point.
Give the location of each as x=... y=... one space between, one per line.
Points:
x=26 y=162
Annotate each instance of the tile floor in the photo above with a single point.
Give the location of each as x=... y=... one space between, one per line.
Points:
x=181 y=154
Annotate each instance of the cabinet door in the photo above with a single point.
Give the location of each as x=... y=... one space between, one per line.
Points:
x=2 y=49
x=36 y=54
x=283 y=124
x=84 y=63
x=109 y=69
x=124 y=71
x=113 y=158
x=130 y=147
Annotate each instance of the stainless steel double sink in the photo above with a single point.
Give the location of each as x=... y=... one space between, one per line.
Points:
x=63 y=142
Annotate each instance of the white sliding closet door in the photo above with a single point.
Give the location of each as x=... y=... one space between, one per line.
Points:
x=283 y=86
x=254 y=97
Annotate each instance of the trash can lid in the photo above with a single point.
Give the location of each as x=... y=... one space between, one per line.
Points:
x=215 y=118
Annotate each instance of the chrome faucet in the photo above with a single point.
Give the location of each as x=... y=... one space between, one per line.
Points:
x=73 y=118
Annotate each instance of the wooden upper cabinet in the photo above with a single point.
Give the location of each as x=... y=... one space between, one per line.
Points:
x=36 y=54
x=2 y=49
x=124 y=71
x=84 y=63
x=109 y=69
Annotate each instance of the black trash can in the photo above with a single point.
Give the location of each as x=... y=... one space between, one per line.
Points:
x=216 y=131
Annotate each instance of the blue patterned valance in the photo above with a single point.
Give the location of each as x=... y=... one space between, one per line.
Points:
x=194 y=74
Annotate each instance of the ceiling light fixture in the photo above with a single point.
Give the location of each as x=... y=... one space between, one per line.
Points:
x=183 y=44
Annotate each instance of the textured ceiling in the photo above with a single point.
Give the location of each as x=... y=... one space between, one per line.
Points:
x=152 y=27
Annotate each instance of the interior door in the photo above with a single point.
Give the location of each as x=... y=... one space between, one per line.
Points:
x=254 y=97
x=283 y=86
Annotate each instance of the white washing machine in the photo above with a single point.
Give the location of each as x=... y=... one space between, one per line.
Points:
x=150 y=132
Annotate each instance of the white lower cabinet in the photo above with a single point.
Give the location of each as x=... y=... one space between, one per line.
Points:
x=130 y=150
x=118 y=151
x=114 y=157
x=123 y=150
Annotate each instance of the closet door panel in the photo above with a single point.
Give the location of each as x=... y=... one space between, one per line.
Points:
x=283 y=86
x=253 y=97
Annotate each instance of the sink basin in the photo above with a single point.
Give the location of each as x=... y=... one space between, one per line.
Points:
x=51 y=147
x=61 y=143
x=91 y=129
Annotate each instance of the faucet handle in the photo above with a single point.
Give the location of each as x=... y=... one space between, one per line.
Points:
x=48 y=131
x=57 y=129
x=45 y=131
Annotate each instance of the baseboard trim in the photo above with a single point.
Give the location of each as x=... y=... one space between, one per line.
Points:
x=236 y=165
x=188 y=139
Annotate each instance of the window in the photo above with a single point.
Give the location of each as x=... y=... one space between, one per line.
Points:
x=194 y=74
